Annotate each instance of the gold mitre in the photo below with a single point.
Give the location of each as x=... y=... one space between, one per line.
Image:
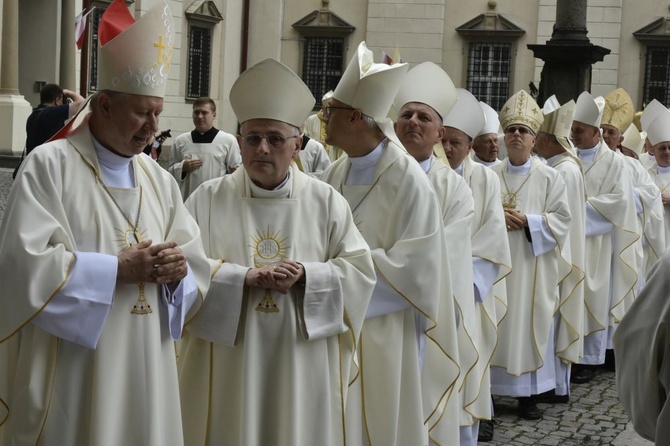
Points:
x=619 y=110
x=521 y=109
x=633 y=139
x=428 y=84
x=134 y=56
x=558 y=121
x=270 y=90
x=371 y=87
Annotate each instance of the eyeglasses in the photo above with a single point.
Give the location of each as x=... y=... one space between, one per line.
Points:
x=327 y=112
x=273 y=140
x=521 y=129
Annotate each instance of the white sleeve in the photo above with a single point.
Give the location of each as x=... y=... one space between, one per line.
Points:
x=541 y=237
x=322 y=306
x=638 y=201
x=484 y=275
x=596 y=224
x=385 y=300
x=179 y=301
x=219 y=316
x=77 y=313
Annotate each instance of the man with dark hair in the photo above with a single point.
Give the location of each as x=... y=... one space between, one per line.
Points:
x=50 y=116
x=204 y=153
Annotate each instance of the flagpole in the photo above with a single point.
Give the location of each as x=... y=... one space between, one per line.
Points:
x=83 y=66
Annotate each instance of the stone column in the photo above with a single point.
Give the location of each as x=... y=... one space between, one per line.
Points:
x=9 y=64
x=569 y=55
x=67 y=78
x=14 y=109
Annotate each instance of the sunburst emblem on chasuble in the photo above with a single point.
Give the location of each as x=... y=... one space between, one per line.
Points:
x=269 y=249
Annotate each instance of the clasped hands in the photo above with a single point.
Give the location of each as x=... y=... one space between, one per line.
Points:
x=665 y=198
x=280 y=277
x=163 y=263
x=515 y=220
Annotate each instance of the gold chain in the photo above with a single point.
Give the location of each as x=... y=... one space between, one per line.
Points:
x=134 y=226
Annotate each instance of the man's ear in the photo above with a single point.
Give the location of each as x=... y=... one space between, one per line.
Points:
x=440 y=135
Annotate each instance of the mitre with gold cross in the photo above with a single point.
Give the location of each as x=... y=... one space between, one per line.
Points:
x=619 y=110
x=134 y=56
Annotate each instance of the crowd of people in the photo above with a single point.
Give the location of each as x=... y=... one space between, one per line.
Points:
x=368 y=275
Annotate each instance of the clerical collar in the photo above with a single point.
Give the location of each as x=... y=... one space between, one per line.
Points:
x=663 y=170
x=519 y=170
x=486 y=163
x=459 y=169
x=554 y=159
x=369 y=160
x=588 y=154
x=281 y=191
x=116 y=170
x=204 y=138
x=427 y=163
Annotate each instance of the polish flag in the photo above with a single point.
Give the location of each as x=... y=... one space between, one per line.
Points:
x=386 y=58
x=80 y=27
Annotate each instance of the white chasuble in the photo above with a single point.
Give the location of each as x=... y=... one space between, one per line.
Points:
x=489 y=244
x=457 y=206
x=218 y=157
x=125 y=391
x=394 y=402
x=661 y=177
x=610 y=260
x=650 y=218
x=532 y=284
x=569 y=340
x=642 y=346
x=258 y=367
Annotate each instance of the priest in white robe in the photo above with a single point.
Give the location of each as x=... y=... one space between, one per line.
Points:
x=408 y=350
x=100 y=264
x=617 y=117
x=426 y=96
x=538 y=219
x=485 y=146
x=553 y=144
x=659 y=136
x=611 y=233
x=642 y=346
x=204 y=153
x=490 y=259
x=312 y=157
x=270 y=356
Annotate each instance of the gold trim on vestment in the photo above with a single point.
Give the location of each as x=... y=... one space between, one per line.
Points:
x=51 y=390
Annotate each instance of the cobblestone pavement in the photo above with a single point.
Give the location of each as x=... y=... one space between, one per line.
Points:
x=593 y=417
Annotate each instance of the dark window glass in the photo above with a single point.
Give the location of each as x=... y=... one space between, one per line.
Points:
x=489 y=71
x=199 y=61
x=323 y=60
x=657 y=75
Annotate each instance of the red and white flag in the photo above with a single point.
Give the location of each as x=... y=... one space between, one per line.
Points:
x=80 y=27
x=386 y=58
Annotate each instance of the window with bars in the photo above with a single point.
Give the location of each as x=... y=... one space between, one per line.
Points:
x=657 y=75
x=489 y=71
x=323 y=60
x=199 y=61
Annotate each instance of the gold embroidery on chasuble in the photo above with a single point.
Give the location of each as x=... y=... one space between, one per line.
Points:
x=269 y=249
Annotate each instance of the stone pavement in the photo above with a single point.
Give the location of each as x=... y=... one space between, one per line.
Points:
x=593 y=417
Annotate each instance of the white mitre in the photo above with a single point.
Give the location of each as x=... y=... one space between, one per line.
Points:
x=651 y=112
x=634 y=139
x=270 y=90
x=428 y=84
x=466 y=116
x=588 y=110
x=371 y=88
x=134 y=56
x=492 y=124
x=658 y=130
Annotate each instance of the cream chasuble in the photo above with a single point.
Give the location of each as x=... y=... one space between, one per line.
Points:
x=661 y=176
x=394 y=402
x=457 y=206
x=262 y=368
x=569 y=328
x=650 y=218
x=217 y=158
x=491 y=244
x=124 y=391
x=642 y=346
x=532 y=284
x=611 y=269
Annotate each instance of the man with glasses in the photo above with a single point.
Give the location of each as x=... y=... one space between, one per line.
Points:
x=268 y=359
x=611 y=233
x=538 y=221
x=410 y=328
